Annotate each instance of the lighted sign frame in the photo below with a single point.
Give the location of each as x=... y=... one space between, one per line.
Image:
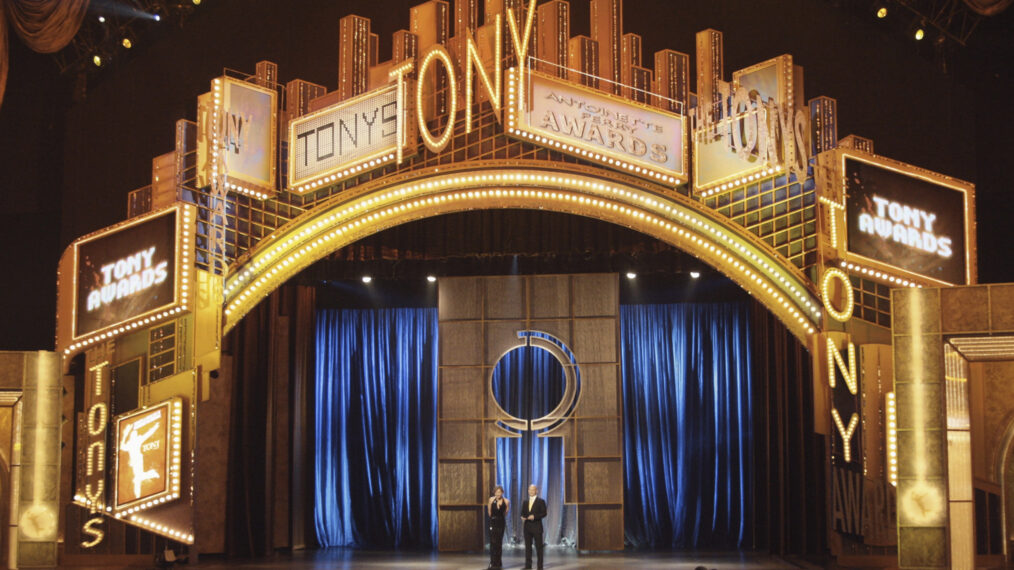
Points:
x=404 y=139
x=171 y=455
x=243 y=183
x=68 y=341
x=784 y=98
x=519 y=92
x=882 y=271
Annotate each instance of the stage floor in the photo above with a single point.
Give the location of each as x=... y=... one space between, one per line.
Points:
x=556 y=559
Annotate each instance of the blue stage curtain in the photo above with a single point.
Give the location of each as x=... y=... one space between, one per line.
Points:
x=528 y=383
x=376 y=456
x=688 y=454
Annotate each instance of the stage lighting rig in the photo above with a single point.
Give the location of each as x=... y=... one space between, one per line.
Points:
x=118 y=24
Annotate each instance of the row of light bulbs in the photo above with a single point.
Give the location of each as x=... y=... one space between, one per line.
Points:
x=891 y=410
x=164 y=530
x=251 y=287
x=350 y=171
x=743 y=180
x=877 y=274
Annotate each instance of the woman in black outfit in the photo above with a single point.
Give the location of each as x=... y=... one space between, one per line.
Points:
x=498 y=508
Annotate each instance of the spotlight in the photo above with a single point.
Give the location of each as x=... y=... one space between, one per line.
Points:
x=97 y=60
x=431 y=278
x=880 y=9
x=157 y=17
x=367 y=279
x=102 y=19
x=695 y=274
x=126 y=43
x=196 y=2
x=631 y=275
x=918 y=29
x=882 y=12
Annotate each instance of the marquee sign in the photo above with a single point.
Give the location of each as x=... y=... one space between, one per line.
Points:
x=348 y=138
x=589 y=124
x=128 y=275
x=756 y=130
x=237 y=137
x=148 y=456
x=898 y=219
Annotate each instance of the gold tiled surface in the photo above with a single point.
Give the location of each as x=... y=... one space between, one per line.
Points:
x=924 y=547
x=922 y=320
x=964 y=309
x=916 y=310
x=1001 y=305
x=927 y=348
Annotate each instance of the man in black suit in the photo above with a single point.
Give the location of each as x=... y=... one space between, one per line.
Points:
x=532 y=512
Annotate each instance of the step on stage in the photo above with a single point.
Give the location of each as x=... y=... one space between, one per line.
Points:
x=556 y=559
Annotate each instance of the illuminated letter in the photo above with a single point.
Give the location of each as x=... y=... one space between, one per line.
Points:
x=849 y=372
x=521 y=43
x=94 y=498
x=436 y=52
x=398 y=74
x=865 y=225
x=493 y=90
x=101 y=454
x=94 y=429
x=846 y=434
x=89 y=528
x=944 y=247
x=881 y=205
x=97 y=369
x=825 y=287
x=147 y=254
x=107 y=273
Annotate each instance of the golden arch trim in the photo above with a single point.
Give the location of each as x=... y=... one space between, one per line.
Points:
x=672 y=219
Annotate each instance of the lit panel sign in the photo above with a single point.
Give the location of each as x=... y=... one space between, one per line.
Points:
x=901 y=218
x=148 y=456
x=346 y=139
x=242 y=130
x=126 y=273
x=589 y=124
x=756 y=132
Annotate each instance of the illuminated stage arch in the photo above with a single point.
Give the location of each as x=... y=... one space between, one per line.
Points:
x=672 y=219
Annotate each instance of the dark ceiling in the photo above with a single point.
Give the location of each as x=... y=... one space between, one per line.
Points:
x=73 y=147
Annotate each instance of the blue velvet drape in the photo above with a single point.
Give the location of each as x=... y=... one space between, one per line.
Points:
x=376 y=456
x=688 y=449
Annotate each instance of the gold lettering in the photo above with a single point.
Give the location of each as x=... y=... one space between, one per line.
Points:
x=493 y=90
x=96 y=534
x=436 y=52
x=846 y=434
x=850 y=372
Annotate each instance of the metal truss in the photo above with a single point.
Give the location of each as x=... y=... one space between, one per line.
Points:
x=953 y=19
x=120 y=19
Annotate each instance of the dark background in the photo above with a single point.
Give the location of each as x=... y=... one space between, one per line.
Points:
x=71 y=152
